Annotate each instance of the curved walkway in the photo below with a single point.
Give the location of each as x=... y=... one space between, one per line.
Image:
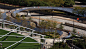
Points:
x=41 y=8
x=37 y=8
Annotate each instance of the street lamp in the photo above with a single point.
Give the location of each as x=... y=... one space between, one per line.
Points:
x=39 y=17
x=50 y=31
x=54 y=33
x=54 y=28
x=73 y=23
x=54 y=37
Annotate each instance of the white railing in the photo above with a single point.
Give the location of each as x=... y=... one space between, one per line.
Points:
x=18 y=26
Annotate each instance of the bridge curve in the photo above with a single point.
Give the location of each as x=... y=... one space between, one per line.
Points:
x=25 y=8
x=37 y=8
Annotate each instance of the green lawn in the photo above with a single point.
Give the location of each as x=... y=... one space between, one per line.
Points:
x=2 y=32
x=29 y=40
x=6 y=44
x=13 y=38
x=18 y=45
x=26 y=46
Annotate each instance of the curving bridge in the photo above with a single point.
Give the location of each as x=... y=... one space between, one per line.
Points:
x=37 y=8
x=70 y=10
x=42 y=8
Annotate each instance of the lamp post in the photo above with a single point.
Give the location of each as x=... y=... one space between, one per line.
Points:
x=50 y=31
x=54 y=37
x=54 y=33
x=73 y=23
x=39 y=17
x=52 y=25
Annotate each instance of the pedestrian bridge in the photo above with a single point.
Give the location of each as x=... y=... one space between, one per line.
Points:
x=41 y=8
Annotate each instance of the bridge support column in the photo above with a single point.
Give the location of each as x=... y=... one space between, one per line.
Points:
x=28 y=14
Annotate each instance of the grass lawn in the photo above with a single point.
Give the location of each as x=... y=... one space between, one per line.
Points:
x=6 y=44
x=2 y=32
x=26 y=46
x=16 y=34
x=11 y=38
x=29 y=40
x=18 y=45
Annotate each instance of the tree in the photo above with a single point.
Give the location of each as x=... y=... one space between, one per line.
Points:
x=79 y=10
x=17 y=15
x=69 y=2
x=74 y=30
x=58 y=2
x=61 y=27
x=30 y=18
x=38 y=2
x=8 y=18
x=23 y=17
x=24 y=23
x=18 y=19
x=42 y=25
x=32 y=25
x=47 y=24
